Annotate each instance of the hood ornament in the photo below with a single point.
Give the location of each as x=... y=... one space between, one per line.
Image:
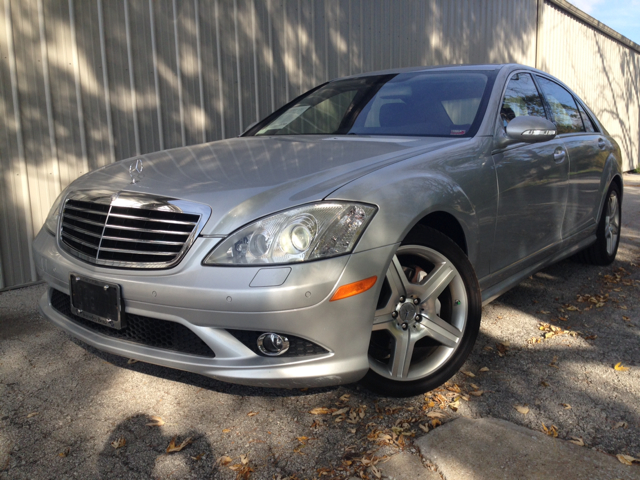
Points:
x=135 y=171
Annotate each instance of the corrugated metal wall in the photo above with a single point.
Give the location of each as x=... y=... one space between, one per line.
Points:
x=86 y=82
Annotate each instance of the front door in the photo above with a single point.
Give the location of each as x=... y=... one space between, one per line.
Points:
x=532 y=184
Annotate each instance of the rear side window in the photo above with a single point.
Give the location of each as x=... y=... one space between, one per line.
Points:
x=563 y=107
x=586 y=119
x=521 y=98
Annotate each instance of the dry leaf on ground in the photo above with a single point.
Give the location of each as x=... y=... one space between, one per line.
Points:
x=435 y=415
x=176 y=448
x=620 y=367
x=552 y=431
x=522 y=409
x=566 y=406
x=467 y=373
x=119 y=443
x=252 y=414
x=484 y=369
x=621 y=425
x=226 y=430
x=33 y=414
x=627 y=459
x=577 y=441
x=476 y=393
x=198 y=457
x=321 y=411
x=224 y=460
x=157 y=421
x=64 y=452
x=131 y=361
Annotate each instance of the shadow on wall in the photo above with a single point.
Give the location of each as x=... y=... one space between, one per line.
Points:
x=86 y=83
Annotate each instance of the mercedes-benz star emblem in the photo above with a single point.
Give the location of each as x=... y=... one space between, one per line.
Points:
x=135 y=171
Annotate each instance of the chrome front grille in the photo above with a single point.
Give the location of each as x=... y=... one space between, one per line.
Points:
x=129 y=230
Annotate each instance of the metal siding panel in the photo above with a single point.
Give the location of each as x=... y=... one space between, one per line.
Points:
x=143 y=74
x=117 y=61
x=92 y=84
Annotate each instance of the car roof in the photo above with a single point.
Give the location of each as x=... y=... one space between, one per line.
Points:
x=442 y=68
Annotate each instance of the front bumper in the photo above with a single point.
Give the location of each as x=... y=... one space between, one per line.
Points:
x=209 y=301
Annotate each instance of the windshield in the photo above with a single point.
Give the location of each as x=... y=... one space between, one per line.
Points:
x=439 y=104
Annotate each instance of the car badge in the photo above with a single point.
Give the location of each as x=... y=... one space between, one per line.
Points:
x=135 y=171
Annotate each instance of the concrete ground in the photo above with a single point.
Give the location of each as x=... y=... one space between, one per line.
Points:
x=543 y=365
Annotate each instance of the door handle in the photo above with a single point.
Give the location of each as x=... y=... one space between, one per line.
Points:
x=559 y=155
x=601 y=143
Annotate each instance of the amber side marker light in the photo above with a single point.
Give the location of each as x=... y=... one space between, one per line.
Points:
x=354 y=288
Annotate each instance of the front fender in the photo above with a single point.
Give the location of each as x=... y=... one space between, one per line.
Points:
x=461 y=184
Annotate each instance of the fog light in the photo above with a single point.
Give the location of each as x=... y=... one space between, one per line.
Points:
x=273 y=344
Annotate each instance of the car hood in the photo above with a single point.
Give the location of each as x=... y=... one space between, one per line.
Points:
x=242 y=179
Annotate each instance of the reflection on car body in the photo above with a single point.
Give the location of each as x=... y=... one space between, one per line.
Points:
x=353 y=234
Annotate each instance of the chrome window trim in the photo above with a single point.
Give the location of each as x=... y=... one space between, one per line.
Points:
x=138 y=201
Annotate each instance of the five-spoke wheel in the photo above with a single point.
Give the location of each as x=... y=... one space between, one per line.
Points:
x=427 y=317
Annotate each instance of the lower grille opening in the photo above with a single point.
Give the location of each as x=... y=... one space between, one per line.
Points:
x=298 y=347
x=150 y=332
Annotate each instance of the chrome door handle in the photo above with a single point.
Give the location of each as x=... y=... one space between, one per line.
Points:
x=559 y=155
x=601 y=143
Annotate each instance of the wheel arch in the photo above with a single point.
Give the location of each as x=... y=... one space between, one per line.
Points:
x=448 y=225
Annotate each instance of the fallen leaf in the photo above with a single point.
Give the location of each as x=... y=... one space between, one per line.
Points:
x=224 y=460
x=621 y=425
x=345 y=397
x=484 y=369
x=626 y=319
x=33 y=414
x=119 y=443
x=352 y=430
x=627 y=459
x=226 y=430
x=321 y=411
x=522 y=409
x=424 y=427
x=476 y=393
x=244 y=459
x=544 y=384
x=252 y=414
x=577 y=441
x=341 y=411
x=552 y=431
x=467 y=373
x=545 y=312
x=435 y=415
x=488 y=348
x=198 y=457
x=474 y=386
x=566 y=406
x=131 y=361
x=157 y=421
x=176 y=448
x=64 y=452
x=435 y=422
x=303 y=440
x=620 y=367
x=455 y=405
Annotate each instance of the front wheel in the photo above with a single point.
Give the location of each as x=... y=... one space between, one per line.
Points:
x=427 y=317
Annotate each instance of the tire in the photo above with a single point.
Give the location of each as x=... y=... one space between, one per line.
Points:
x=427 y=318
x=603 y=251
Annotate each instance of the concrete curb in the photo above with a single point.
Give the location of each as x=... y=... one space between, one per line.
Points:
x=491 y=449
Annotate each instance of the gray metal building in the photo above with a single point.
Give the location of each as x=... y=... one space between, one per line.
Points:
x=84 y=83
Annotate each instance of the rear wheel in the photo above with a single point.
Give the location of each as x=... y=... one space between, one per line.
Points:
x=605 y=248
x=427 y=318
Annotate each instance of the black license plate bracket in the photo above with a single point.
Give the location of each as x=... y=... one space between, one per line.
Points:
x=97 y=300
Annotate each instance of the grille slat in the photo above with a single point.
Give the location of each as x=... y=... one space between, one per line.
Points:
x=155 y=235
x=131 y=217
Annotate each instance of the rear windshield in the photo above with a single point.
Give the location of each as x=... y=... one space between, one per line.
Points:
x=439 y=104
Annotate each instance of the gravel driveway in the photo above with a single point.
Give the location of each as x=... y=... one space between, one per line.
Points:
x=548 y=346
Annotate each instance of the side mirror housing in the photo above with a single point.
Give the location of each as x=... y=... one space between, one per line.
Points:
x=527 y=129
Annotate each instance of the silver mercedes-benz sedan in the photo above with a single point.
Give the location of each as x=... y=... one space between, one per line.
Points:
x=353 y=234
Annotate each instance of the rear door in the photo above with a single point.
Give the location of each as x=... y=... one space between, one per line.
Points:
x=532 y=183
x=587 y=151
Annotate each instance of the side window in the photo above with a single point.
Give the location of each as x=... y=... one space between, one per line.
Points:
x=586 y=119
x=521 y=98
x=563 y=107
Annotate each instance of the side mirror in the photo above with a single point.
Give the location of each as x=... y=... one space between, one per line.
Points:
x=531 y=129
x=526 y=129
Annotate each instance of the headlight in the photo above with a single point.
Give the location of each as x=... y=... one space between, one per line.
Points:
x=51 y=223
x=309 y=232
